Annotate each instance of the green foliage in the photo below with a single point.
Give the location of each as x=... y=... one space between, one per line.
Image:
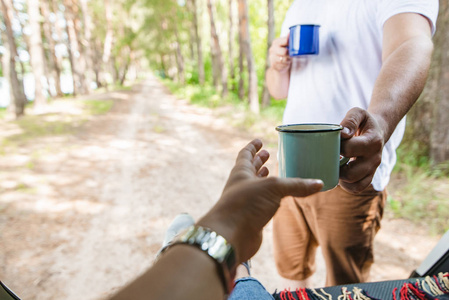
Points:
x=275 y=111
x=3 y=112
x=441 y=170
x=415 y=154
x=422 y=199
x=420 y=194
x=412 y=153
x=98 y=107
x=205 y=96
x=32 y=127
x=35 y=127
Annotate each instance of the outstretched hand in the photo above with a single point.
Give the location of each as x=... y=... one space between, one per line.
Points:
x=250 y=199
x=362 y=140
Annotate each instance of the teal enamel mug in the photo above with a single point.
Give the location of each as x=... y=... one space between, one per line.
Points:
x=311 y=151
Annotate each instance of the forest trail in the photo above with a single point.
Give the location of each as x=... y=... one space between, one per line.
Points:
x=95 y=205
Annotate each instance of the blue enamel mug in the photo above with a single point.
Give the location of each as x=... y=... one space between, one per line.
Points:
x=304 y=40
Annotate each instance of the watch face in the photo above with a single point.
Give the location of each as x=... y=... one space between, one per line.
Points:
x=7 y=294
x=209 y=241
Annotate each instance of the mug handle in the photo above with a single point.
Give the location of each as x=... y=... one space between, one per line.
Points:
x=344 y=160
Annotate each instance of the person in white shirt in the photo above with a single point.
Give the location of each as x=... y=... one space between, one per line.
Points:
x=372 y=66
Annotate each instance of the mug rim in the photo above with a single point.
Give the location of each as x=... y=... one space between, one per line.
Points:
x=287 y=128
x=315 y=25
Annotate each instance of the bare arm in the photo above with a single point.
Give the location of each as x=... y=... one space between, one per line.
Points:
x=184 y=272
x=406 y=54
x=278 y=74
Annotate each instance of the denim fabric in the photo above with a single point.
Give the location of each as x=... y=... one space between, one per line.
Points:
x=249 y=288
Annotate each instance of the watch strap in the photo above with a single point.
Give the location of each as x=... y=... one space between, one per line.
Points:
x=216 y=246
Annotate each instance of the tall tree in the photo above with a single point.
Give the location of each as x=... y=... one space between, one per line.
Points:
x=16 y=85
x=218 y=70
x=198 y=42
x=241 y=88
x=77 y=61
x=87 y=42
x=109 y=39
x=428 y=120
x=439 y=146
x=58 y=31
x=231 y=45
x=265 y=94
x=55 y=65
x=179 y=56
x=245 y=43
x=37 y=55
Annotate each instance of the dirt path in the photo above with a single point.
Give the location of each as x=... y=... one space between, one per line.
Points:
x=90 y=213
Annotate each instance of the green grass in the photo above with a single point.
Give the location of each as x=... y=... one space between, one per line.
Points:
x=36 y=127
x=421 y=199
x=3 y=112
x=422 y=191
x=239 y=116
x=54 y=124
x=22 y=187
x=98 y=107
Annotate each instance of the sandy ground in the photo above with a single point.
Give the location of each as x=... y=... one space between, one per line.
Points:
x=83 y=214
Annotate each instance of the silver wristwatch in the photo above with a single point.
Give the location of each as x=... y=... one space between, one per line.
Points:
x=216 y=246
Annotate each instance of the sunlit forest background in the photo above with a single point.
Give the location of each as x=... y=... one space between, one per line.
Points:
x=211 y=52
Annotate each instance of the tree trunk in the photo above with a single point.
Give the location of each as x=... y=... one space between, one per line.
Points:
x=37 y=55
x=58 y=33
x=114 y=68
x=77 y=60
x=199 y=48
x=129 y=57
x=55 y=67
x=253 y=96
x=427 y=123
x=162 y=65
x=22 y=25
x=231 y=45
x=15 y=84
x=265 y=94
x=97 y=54
x=241 y=91
x=179 y=56
x=439 y=140
x=87 y=42
x=83 y=69
x=107 y=49
x=218 y=70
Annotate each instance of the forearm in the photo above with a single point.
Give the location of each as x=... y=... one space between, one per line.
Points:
x=183 y=272
x=400 y=82
x=278 y=83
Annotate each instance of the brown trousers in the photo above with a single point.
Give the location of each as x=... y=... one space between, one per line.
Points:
x=343 y=224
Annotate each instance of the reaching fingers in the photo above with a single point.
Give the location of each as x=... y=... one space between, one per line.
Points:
x=260 y=159
x=249 y=151
x=263 y=172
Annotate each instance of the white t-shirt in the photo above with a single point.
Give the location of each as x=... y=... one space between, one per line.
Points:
x=324 y=87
